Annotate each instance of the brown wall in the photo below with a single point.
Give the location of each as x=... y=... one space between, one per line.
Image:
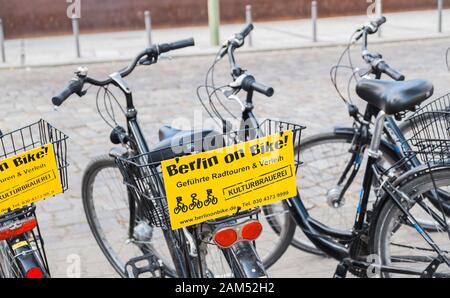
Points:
x=43 y=17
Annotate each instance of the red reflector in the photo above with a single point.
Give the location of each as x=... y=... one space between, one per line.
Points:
x=251 y=230
x=35 y=273
x=17 y=228
x=225 y=237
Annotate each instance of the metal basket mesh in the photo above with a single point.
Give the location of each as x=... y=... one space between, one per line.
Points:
x=34 y=136
x=430 y=128
x=143 y=177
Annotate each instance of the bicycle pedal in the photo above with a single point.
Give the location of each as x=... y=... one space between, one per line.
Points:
x=341 y=271
x=148 y=263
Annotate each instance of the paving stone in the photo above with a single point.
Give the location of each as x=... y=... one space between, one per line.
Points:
x=166 y=92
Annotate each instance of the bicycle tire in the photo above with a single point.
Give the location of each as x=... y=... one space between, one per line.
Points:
x=413 y=184
x=298 y=241
x=92 y=170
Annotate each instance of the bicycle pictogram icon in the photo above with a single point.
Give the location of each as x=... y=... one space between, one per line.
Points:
x=211 y=198
x=196 y=203
x=181 y=207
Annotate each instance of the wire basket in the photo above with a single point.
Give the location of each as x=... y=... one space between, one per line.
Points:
x=143 y=176
x=34 y=136
x=430 y=139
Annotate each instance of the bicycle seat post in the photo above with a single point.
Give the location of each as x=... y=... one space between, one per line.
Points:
x=376 y=138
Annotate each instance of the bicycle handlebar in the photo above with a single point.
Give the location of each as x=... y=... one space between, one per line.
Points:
x=373 y=60
x=236 y=41
x=386 y=69
x=246 y=31
x=375 y=25
x=75 y=85
x=166 y=47
x=250 y=84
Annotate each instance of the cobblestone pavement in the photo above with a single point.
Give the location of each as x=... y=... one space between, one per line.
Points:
x=166 y=91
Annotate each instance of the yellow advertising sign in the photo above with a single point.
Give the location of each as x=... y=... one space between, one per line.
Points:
x=216 y=183
x=28 y=177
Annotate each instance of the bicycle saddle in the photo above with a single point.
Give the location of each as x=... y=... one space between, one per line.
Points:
x=394 y=96
x=175 y=142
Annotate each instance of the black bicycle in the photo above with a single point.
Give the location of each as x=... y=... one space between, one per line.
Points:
x=130 y=221
x=391 y=237
x=279 y=228
x=332 y=196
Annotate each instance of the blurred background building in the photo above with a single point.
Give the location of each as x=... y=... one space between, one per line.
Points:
x=25 y=18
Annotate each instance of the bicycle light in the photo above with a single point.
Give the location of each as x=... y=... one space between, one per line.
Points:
x=247 y=231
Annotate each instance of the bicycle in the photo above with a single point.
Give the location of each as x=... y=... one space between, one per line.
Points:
x=184 y=252
x=22 y=252
x=275 y=215
x=367 y=246
x=332 y=197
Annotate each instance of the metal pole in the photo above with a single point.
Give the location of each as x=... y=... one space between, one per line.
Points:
x=379 y=12
x=76 y=34
x=249 y=20
x=22 y=52
x=2 y=42
x=148 y=27
x=314 y=19
x=440 y=8
x=214 y=21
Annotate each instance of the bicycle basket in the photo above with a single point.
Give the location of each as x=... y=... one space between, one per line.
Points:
x=430 y=127
x=34 y=136
x=143 y=176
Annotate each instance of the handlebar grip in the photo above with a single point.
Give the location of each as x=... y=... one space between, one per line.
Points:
x=247 y=30
x=166 y=47
x=394 y=74
x=380 y=21
x=74 y=86
x=249 y=83
x=375 y=25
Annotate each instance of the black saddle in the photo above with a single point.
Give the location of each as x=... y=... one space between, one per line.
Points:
x=175 y=142
x=392 y=96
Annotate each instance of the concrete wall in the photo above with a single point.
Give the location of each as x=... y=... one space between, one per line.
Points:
x=43 y=17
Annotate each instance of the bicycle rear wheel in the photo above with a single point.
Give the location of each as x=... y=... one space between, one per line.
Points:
x=106 y=204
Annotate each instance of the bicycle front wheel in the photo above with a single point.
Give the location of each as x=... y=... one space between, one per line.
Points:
x=106 y=204
x=325 y=157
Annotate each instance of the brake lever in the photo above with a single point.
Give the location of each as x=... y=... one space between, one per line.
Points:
x=236 y=98
x=82 y=93
x=231 y=94
x=148 y=60
x=166 y=57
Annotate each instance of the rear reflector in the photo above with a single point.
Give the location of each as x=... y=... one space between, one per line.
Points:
x=247 y=231
x=225 y=237
x=35 y=273
x=17 y=228
x=251 y=230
